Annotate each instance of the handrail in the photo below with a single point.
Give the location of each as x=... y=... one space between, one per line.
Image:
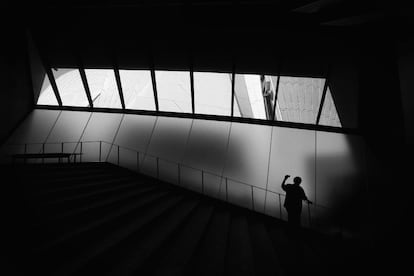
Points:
x=159 y=158
x=203 y=172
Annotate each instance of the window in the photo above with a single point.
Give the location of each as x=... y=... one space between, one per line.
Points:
x=254 y=96
x=174 y=91
x=299 y=99
x=70 y=87
x=47 y=96
x=212 y=93
x=329 y=114
x=103 y=88
x=137 y=89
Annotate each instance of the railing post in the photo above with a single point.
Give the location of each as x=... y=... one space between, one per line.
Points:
x=137 y=161
x=118 y=155
x=179 y=174
x=202 y=182
x=81 y=151
x=280 y=207
x=43 y=151
x=158 y=168
x=25 y=151
x=252 y=199
x=100 y=151
x=227 y=197
x=61 y=146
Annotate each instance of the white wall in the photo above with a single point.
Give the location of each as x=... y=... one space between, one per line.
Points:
x=331 y=165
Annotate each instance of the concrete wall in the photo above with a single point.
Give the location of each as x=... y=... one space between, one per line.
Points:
x=331 y=164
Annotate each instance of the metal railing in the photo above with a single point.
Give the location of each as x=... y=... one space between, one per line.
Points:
x=78 y=149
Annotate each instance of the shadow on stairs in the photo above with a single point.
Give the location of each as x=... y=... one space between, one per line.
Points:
x=99 y=219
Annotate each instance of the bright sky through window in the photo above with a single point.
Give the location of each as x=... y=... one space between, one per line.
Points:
x=70 y=86
x=174 y=91
x=137 y=89
x=104 y=91
x=298 y=98
x=212 y=93
x=47 y=96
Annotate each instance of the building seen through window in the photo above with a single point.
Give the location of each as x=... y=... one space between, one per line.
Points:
x=255 y=96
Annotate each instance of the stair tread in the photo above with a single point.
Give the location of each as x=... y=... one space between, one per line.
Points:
x=118 y=186
x=132 y=253
x=266 y=261
x=178 y=252
x=86 y=255
x=101 y=221
x=239 y=253
x=124 y=197
x=213 y=247
x=84 y=186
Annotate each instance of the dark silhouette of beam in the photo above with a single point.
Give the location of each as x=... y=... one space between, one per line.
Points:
x=233 y=76
x=154 y=88
x=207 y=117
x=86 y=85
x=118 y=83
x=325 y=88
x=192 y=88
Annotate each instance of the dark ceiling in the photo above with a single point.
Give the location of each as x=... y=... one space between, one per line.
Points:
x=257 y=13
x=214 y=33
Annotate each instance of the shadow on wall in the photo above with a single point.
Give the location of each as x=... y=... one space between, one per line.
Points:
x=206 y=149
x=341 y=187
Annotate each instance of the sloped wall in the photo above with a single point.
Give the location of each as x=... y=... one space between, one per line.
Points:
x=215 y=156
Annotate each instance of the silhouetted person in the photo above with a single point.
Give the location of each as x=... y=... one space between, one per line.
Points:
x=293 y=200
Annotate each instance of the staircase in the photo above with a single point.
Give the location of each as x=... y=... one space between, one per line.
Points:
x=100 y=219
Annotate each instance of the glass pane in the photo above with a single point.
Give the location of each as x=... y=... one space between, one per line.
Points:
x=137 y=89
x=47 y=96
x=248 y=96
x=174 y=91
x=299 y=99
x=104 y=91
x=329 y=115
x=70 y=87
x=269 y=85
x=212 y=93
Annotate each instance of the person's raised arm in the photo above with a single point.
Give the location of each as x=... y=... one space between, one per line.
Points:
x=284 y=182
